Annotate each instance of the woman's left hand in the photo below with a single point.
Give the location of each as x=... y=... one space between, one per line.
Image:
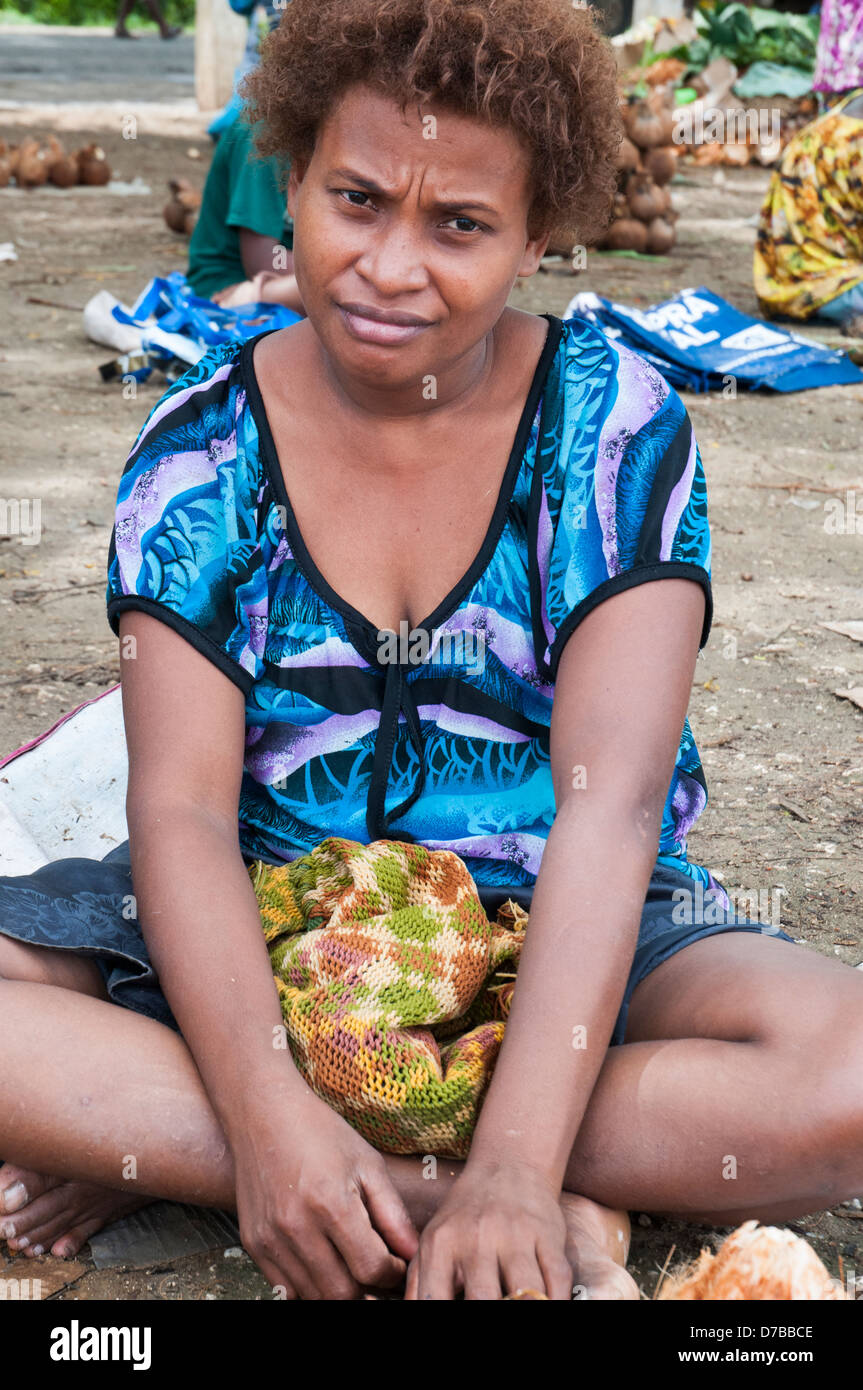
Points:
x=496 y=1233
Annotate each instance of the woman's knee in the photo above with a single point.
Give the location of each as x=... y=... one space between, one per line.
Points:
x=46 y=965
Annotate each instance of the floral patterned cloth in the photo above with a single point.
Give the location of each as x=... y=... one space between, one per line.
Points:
x=809 y=247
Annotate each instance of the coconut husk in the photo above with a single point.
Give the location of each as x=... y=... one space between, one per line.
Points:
x=664 y=70
x=707 y=154
x=738 y=155
x=755 y=1263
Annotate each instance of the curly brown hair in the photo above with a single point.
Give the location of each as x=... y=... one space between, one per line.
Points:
x=538 y=67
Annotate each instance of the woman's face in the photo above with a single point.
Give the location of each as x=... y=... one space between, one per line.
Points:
x=411 y=228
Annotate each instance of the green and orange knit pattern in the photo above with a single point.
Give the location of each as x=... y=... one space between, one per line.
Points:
x=394 y=986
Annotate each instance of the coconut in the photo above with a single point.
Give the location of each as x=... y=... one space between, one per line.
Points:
x=644 y=197
x=644 y=127
x=93 y=167
x=627 y=156
x=62 y=167
x=626 y=234
x=661 y=103
x=660 y=236
x=755 y=1262
x=661 y=163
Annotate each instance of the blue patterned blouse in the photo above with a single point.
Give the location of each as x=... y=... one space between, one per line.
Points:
x=445 y=742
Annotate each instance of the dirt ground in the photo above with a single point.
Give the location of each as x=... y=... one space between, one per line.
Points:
x=782 y=752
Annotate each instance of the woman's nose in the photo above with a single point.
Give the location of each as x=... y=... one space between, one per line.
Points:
x=394 y=260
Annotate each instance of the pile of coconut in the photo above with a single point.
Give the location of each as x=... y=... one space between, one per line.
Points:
x=643 y=215
x=31 y=164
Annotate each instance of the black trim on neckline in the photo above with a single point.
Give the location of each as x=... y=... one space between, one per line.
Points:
x=301 y=555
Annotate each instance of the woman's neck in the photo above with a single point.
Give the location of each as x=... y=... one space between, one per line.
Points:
x=452 y=388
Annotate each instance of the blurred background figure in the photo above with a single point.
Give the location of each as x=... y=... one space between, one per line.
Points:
x=809 y=247
x=839 y=62
x=125 y=8
x=263 y=16
x=243 y=234
x=242 y=244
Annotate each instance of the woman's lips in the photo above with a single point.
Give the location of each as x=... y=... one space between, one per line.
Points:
x=382 y=331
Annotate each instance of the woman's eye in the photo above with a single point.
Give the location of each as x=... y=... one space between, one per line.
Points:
x=355 y=197
x=464 y=224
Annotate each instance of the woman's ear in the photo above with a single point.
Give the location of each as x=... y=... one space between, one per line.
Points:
x=533 y=254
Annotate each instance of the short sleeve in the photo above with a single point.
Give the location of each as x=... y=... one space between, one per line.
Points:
x=184 y=547
x=619 y=495
x=256 y=199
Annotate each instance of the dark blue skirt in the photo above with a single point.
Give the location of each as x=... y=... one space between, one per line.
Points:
x=88 y=906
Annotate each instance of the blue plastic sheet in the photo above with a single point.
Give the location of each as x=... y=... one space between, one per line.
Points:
x=176 y=323
x=697 y=340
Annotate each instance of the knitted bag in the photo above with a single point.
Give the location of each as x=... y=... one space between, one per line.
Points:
x=389 y=975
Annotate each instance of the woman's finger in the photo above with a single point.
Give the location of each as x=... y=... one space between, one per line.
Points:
x=482 y=1280
x=276 y=1278
x=437 y=1281
x=364 y=1252
x=412 y=1281
x=388 y=1213
x=521 y=1270
x=322 y=1266
x=557 y=1272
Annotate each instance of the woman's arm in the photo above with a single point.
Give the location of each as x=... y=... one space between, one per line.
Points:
x=316 y=1207
x=619 y=706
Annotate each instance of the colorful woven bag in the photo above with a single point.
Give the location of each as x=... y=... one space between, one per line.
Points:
x=394 y=986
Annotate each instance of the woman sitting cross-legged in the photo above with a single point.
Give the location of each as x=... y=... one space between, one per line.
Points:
x=416 y=452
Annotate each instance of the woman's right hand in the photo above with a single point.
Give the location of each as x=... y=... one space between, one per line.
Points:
x=318 y=1211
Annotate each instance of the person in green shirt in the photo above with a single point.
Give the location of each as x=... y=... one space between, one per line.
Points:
x=243 y=230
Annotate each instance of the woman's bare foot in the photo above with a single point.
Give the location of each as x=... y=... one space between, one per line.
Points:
x=597 y=1245
x=39 y=1213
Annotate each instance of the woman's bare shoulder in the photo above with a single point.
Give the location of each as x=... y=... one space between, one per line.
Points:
x=520 y=332
x=288 y=349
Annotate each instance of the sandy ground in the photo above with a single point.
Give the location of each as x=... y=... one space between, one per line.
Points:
x=782 y=752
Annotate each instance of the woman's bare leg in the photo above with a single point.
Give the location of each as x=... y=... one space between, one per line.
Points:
x=739 y=1091
x=42 y=1207
x=100 y=1092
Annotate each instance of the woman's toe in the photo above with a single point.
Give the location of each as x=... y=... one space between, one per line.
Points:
x=49 y=1211
x=18 y=1186
x=72 y=1240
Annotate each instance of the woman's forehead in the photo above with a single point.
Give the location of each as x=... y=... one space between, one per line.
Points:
x=373 y=134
